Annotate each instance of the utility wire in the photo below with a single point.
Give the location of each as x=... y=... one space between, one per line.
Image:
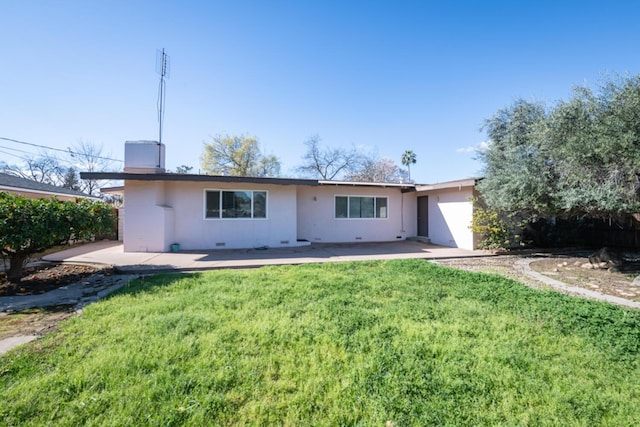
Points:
x=68 y=151
x=11 y=154
x=29 y=158
x=15 y=149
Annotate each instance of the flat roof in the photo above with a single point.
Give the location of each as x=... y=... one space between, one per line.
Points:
x=470 y=182
x=195 y=178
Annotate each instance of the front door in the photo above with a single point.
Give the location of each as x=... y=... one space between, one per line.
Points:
x=423 y=216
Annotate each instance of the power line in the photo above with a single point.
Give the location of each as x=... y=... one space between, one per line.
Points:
x=14 y=155
x=15 y=149
x=67 y=151
x=30 y=159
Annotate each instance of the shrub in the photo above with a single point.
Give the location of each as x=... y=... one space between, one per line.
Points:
x=28 y=226
x=497 y=230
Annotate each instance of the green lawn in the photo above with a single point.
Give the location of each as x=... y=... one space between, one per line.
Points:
x=371 y=343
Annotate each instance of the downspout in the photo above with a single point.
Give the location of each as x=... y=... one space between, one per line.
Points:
x=401 y=212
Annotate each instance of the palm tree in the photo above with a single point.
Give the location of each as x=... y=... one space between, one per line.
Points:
x=408 y=159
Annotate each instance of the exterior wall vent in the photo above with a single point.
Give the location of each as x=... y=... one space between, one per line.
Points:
x=284 y=242
x=219 y=244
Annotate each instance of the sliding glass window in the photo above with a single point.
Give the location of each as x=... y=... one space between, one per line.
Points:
x=223 y=204
x=361 y=207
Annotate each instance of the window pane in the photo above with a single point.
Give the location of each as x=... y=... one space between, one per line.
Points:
x=366 y=207
x=236 y=204
x=212 y=209
x=354 y=207
x=381 y=207
x=341 y=207
x=259 y=204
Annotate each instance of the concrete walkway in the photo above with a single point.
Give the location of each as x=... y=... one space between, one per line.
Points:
x=112 y=253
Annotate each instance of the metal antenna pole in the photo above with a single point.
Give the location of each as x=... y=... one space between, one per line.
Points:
x=162 y=68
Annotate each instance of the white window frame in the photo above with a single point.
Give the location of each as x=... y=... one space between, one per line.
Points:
x=233 y=190
x=348 y=196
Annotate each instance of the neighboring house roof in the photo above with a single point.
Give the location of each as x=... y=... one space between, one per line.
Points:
x=17 y=184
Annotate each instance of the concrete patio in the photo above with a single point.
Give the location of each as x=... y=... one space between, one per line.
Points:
x=112 y=253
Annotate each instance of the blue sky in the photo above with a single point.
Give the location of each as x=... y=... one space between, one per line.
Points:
x=381 y=76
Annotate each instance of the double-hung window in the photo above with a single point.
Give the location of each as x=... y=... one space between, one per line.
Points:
x=361 y=207
x=235 y=204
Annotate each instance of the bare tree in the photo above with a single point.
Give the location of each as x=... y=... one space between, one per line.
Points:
x=43 y=168
x=328 y=163
x=89 y=157
x=374 y=169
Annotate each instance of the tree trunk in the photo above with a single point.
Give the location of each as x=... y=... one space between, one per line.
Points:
x=16 y=264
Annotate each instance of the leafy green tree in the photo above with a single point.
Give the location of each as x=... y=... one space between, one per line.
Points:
x=579 y=158
x=519 y=173
x=238 y=156
x=183 y=169
x=70 y=179
x=596 y=136
x=29 y=226
x=408 y=158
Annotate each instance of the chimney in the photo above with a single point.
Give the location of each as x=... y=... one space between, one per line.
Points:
x=143 y=157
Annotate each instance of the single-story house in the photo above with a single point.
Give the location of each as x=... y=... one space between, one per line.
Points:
x=217 y=212
x=38 y=190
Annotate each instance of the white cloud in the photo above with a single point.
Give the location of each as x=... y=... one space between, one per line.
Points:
x=482 y=146
x=468 y=149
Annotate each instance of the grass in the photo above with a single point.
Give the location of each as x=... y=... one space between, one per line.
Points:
x=372 y=343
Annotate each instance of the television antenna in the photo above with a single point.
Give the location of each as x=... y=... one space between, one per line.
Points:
x=164 y=69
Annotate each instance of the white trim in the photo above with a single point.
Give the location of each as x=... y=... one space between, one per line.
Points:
x=367 y=184
x=229 y=190
x=459 y=184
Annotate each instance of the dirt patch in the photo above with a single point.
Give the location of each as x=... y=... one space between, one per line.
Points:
x=44 y=278
x=36 y=321
x=566 y=268
x=38 y=280
x=572 y=271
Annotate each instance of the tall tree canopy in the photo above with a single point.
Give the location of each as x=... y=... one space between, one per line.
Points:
x=579 y=157
x=238 y=156
x=408 y=158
